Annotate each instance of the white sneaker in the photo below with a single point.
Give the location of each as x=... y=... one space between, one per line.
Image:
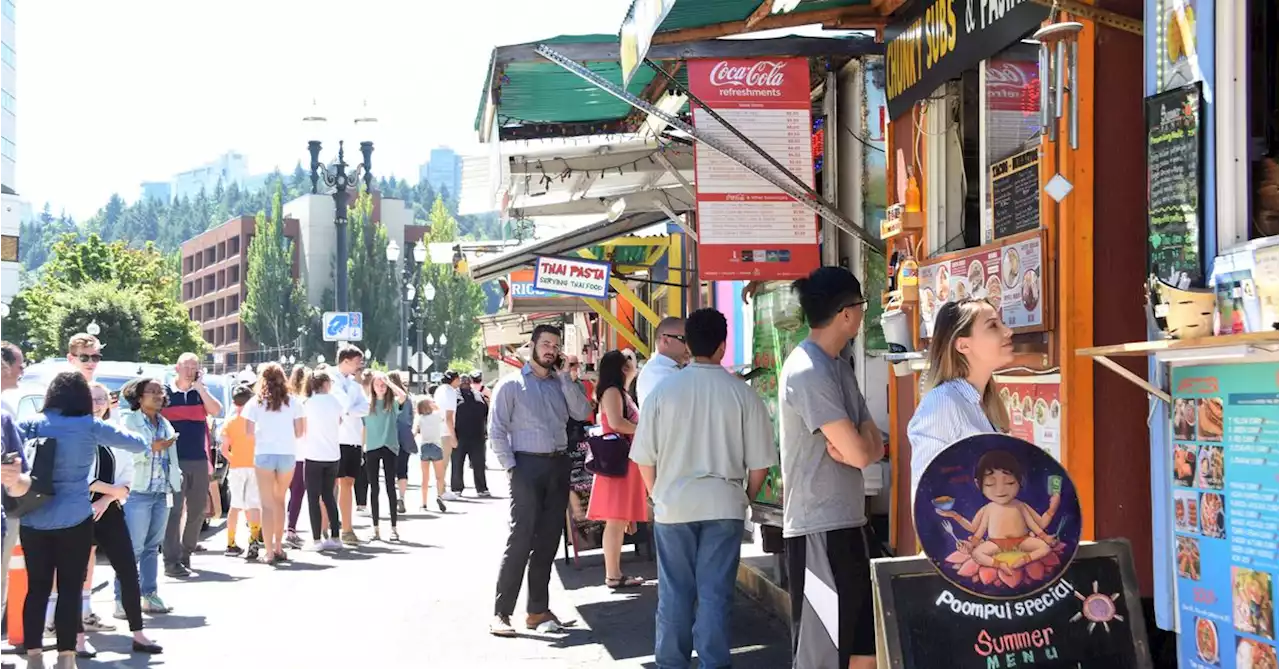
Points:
x=450 y=496
x=315 y=546
x=330 y=544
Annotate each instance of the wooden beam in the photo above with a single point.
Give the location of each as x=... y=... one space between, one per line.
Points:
x=761 y=13
x=872 y=19
x=618 y=326
x=887 y=7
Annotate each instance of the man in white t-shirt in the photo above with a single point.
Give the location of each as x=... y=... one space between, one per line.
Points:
x=350 y=436
x=672 y=354
x=446 y=398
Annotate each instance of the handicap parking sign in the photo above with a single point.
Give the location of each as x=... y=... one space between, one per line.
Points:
x=343 y=325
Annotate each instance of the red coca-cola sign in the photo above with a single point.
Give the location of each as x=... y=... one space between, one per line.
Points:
x=765 y=81
x=1013 y=85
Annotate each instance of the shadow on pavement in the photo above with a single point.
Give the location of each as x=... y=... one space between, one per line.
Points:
x=174 y=621
x=208 y=576
x=623 y=621
x=303 y=566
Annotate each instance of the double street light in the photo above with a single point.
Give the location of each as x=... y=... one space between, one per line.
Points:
x=335 y=177
x=409 y=292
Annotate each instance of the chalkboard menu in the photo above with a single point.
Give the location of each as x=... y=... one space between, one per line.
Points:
x=1174 y=213
x=1015 y=193
x=1091 y=617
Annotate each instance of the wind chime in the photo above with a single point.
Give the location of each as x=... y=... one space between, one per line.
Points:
x=1059 y=74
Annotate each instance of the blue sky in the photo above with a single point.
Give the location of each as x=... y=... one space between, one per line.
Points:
x=111 y=94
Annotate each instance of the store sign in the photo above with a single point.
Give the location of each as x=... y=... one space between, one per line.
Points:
x=1091 y=616
x=1013 y=86
x=569 y=276
x=1035 y=409
x=522 y=287
x=749 y=229
x=1175 y=212
x=637 y=33
x=937 y=40
x=1226 y=519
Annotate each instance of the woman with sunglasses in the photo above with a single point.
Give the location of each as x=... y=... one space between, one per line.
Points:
x=156 y=479
x=109 y=483
x=57 y=536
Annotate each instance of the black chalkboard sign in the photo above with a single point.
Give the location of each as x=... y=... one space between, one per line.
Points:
x=1015 y=193
x=1174 y=202
x=1091 y=617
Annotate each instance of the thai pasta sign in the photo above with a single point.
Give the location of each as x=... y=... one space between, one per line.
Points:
x=570 y=276
x=937 y=40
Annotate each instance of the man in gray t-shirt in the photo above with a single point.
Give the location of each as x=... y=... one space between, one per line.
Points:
x=818 y=493
x=827 y=438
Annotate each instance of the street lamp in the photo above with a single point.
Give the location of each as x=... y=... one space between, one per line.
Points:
x=93 y=328
x=410 y=291
x=335 y=177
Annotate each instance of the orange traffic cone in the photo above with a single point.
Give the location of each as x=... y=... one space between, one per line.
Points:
x=17 y=594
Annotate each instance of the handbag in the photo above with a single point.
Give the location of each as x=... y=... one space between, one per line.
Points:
x=608 y=455
x=41 y=452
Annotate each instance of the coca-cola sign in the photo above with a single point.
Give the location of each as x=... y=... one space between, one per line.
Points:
x=758 y=74
x=1013 y=85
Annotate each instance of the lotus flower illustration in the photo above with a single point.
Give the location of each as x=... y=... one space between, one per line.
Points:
x=1014 y=567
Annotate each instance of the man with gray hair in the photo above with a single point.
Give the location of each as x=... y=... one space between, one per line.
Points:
x=190 y=405
x=671 y=355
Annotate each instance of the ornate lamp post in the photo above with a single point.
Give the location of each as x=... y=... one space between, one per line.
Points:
x=409 y=292
x=335 y=177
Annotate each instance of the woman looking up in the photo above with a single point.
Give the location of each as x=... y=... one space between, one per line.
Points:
x=382 y=446
x=969 y=344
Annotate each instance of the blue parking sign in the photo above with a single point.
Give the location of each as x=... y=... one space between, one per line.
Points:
x=342 y=325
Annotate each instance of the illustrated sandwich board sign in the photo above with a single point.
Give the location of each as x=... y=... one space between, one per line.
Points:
x=572 y=276
x=1004 y=581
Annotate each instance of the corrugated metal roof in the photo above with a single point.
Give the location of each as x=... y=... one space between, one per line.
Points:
x=698 y=13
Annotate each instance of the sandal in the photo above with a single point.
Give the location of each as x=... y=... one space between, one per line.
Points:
x=624 y=582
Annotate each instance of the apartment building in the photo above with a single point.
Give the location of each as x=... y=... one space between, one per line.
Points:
x=10 y=206
x=214 y=266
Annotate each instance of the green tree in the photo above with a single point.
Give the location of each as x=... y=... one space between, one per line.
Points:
x=275 y=305
x=372 y=288
x=121 y=317
x=73 y=266
x=458 y=300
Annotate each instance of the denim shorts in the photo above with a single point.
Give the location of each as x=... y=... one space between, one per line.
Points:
x=430 y=452
x=276 y=463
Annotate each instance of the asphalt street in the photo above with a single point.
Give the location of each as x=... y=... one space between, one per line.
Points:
x=427 y=598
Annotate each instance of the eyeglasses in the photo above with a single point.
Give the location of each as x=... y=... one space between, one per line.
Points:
x=98 y=399
x=855 y=303
x=89 y=357
x=677 y=337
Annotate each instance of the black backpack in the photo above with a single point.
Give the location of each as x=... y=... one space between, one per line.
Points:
x=471 y=415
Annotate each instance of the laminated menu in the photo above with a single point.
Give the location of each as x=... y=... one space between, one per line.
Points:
x=1226 y=513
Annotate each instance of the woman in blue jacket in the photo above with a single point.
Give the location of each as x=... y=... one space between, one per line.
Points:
x=57 y=536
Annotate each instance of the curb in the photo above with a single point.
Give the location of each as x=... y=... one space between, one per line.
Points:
x=757 y=584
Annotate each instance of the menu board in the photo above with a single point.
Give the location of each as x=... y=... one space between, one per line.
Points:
x=1091 y=617
x=1174 y=214
x=1226 y=519
x=1015 y=193
x=1009 y=275
x=748 y=228
x=1035 y=410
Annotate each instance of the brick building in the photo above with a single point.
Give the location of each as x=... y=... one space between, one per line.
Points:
x=214 y=266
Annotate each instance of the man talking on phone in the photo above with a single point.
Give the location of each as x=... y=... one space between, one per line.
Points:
x=527 y=434
x=189 y=406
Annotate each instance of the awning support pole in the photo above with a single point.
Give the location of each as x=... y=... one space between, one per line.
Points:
x=806 y=198
x=617 y=325
x=625 y=293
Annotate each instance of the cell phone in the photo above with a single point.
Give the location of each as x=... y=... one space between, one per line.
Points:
x=9 y=458
x=747 y=376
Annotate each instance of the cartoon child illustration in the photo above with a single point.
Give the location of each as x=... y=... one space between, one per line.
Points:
x=1008 y=524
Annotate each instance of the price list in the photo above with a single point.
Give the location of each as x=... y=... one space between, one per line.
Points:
x=1226 y=503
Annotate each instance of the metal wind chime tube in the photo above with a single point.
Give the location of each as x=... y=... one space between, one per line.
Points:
x=1059 y=73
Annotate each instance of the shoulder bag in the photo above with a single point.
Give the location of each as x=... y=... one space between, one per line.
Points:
x=608 y=455
x=41 y=452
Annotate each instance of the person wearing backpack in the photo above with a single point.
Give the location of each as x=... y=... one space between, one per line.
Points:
x=470 y=419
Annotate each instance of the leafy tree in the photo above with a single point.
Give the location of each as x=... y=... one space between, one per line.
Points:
x=275 y=305
x=372 y=288
x=121 y=317
x=37 y=312
x=458 y=300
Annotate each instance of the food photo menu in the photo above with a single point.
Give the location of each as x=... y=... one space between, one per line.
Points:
x=1226 y=514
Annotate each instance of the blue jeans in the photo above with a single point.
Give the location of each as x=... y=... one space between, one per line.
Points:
x=146 y=514
x=697 y=572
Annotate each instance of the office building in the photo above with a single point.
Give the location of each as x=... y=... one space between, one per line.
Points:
x=160 y=191
x=10 y=206
x=443 y=171
x=227 y=168
x=215 y=264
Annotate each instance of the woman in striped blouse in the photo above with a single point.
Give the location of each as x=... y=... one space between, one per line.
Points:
x=969 y=344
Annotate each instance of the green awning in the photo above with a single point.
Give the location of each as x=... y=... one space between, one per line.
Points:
x=699 y=13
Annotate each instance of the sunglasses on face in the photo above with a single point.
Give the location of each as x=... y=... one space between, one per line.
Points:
x=573 y=365
x=853 y=305
x=89 y=357
x=677 y=337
